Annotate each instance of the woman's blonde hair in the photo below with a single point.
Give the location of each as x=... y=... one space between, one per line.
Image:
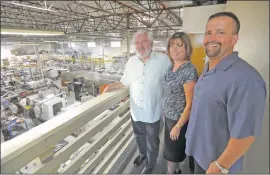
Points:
x=185 y=40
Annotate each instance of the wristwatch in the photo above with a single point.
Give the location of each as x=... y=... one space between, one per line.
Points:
x=223 y=170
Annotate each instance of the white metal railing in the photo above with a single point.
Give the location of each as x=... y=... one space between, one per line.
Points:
x=100 y=144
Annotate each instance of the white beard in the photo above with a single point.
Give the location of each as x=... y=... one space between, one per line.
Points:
x=146 y=54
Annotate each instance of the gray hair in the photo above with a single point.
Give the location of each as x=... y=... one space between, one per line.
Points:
x=141 y=31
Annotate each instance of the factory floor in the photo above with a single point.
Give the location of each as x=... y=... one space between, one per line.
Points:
x=30 y=123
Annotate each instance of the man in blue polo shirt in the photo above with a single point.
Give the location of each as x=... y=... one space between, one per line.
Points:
x=228 y=102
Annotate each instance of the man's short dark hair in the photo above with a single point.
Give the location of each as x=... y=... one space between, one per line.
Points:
x=230 y=15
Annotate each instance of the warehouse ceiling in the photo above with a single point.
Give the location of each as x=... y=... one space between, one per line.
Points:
x=95 y=19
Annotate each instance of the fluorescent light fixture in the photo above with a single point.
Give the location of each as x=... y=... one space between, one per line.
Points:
x=79 y=40
x=21 y=31
x=115 y=44
x=157 y=41
x=91 y=44
x=26 y=44
x=62 y=42
x=50 y=41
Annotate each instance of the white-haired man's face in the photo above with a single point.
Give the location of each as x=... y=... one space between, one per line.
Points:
x=143 y=46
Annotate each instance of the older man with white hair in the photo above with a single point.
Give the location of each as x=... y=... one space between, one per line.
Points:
x=144 y=74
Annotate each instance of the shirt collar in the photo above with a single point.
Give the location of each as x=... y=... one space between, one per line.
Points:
x=206 y=67
x=227 y=61
x=223 y=64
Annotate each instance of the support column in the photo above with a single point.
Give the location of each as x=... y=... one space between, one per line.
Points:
x=103 y=45
x=39 y=61
x=128 y=37
x=62 y=49
x=128 y=43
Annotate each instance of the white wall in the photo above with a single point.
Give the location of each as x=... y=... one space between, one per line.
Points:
x=253 y=46
x=195 y=18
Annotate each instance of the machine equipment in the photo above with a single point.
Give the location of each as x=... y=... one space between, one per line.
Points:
x=47 y=106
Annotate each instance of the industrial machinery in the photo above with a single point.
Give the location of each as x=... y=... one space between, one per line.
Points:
x=12 y=124
x=47 y=104
x=28 y=91
x=13 y=127
x=53 y=74
x=36 y=84
x=84 y=87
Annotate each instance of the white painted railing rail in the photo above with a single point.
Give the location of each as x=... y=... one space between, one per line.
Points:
x=99 y=143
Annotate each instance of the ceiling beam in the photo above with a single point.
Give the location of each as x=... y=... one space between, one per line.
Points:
x=171 y=12
x=135 y=10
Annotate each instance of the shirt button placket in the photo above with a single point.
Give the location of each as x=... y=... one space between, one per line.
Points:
x=143 y=86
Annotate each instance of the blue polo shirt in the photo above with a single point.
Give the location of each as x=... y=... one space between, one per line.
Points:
x=228 y=101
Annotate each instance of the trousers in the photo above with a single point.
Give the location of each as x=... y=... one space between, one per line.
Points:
x=194 y=167
x=147 y=138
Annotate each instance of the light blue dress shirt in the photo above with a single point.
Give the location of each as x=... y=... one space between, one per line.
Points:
x=145 y=82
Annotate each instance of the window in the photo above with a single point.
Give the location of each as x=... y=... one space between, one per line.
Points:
x=71 y=44
x=91 y=44
x=115 y=44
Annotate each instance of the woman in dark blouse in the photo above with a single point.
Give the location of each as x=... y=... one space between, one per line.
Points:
x=178 y=92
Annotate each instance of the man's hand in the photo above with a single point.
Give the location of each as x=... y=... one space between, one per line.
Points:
x=175 y=132
x=115 y=85
x=107 y=89
x=213 y=169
